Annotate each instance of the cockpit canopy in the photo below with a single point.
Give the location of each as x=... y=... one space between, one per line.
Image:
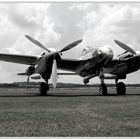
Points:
x=86 y=50
x=89 y=53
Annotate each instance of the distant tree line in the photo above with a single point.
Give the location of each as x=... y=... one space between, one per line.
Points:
x=59 y=85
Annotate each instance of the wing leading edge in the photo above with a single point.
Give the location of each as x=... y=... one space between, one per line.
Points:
x=21 y=59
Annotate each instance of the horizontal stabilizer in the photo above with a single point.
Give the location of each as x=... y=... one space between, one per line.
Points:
x=22 y=74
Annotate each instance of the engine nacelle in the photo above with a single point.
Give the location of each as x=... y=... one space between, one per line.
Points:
x=111 y=76
x=30 y=70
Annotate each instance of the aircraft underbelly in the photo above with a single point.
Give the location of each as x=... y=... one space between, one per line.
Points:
x=86 y=70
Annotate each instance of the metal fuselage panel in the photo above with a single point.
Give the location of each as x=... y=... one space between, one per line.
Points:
x=43 y=62
x=41 y=65
x=94 y=60
x=133 y=64
x=120 y=67
x=92 y=66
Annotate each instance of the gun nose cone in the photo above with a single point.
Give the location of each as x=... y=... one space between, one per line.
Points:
x=107 y=51
x=137 y=52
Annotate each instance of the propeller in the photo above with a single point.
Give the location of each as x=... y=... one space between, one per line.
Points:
x=71 y=45
x=68 y=47
x=54 y=66
x=54 y=73
x=125 y=47
x=36 y=42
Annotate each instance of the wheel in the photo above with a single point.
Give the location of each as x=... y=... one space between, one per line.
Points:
x=103 y=89
x=44 y=89
x=121 y=88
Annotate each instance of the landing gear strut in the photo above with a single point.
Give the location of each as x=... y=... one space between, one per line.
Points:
x=103 y=87
x=44 y=88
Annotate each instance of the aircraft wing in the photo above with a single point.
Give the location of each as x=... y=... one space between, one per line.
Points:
x=114 y=67
x=66 y=73
x=69 y=64
x=21 y=59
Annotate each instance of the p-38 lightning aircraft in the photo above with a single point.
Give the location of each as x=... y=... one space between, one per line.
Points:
x=92 y=63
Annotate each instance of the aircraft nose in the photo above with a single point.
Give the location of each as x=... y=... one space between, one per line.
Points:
x=107 y=51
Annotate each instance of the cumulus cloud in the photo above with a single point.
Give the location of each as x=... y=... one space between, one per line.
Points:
x=22 y=19
x=112 y=21
x=17 y=20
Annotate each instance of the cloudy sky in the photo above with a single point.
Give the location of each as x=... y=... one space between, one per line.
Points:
x=58 y=24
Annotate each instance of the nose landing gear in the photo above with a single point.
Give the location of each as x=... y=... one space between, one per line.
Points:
x=103 y=87
x=103 y=90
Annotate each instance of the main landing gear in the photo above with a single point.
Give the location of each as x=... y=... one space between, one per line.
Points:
x=44 y=88
x=120 y=87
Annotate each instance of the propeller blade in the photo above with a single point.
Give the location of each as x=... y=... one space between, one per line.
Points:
x=36 y=42
x=72 y=45
x=54 y=73
x=125 y=47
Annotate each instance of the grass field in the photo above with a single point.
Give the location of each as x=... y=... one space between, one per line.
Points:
x=69 y=112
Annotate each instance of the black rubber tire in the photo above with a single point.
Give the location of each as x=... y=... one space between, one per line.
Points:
x=121 y=88
x=103 y=90
x=44 y=89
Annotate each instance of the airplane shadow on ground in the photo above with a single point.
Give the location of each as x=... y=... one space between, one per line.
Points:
x=66 y=95
x=49 y=95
